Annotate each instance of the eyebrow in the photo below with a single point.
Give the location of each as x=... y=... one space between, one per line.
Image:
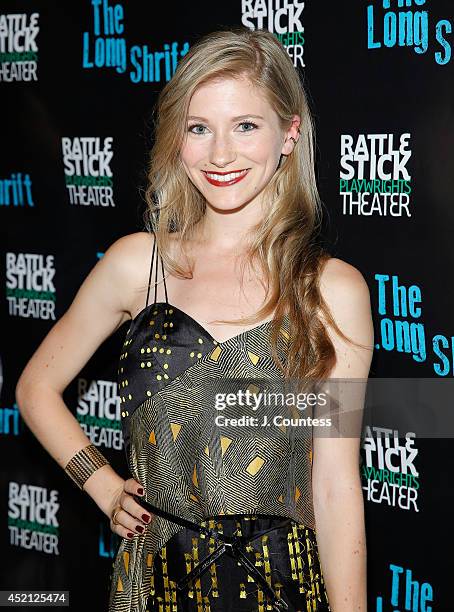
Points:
x=233 y=118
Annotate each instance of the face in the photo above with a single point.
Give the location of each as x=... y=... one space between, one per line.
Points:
x=233 y=142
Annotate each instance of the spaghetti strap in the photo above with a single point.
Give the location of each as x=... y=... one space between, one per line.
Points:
x=155 y=250
x=151 y=269
x=164 y=279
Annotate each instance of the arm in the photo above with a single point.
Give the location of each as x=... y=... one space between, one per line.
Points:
x=100 y=307
x=338 y=498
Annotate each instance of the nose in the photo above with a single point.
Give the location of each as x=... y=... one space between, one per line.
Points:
x=222 y=151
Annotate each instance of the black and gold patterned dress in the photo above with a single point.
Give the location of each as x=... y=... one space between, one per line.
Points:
x=233 y=527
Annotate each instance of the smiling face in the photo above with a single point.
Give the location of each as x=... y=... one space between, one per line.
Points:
x=233 y=142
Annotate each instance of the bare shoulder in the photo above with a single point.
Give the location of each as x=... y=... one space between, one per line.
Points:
x=127 y=262
x=346 y=294
x=344 y=288
x=339 y=278
x=131 y=248
x=130 y=255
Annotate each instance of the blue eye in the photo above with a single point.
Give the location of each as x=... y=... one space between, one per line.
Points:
x=194 y=126
x=190 y=128
x=249 y=123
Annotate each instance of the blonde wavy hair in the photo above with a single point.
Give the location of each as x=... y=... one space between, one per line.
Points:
x=284 y=243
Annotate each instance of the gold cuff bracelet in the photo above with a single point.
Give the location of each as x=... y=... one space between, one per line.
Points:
x=82 y=465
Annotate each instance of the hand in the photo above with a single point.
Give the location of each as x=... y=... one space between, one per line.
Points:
x=131 y=518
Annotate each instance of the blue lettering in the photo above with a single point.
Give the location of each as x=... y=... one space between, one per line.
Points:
x=135 y=54
x=382 y=279
x=445 y=25
x=96 y=28
x=437 y=341
x=85 y=61
x=396 y=570
x=402 y=28
x=421 y=31
x=370 y=29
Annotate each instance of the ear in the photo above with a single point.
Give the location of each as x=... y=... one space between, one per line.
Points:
x=291 y=136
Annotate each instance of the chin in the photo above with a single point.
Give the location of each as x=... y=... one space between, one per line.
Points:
x=228 y=206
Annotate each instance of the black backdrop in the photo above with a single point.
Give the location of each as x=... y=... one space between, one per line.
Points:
x=364 y=78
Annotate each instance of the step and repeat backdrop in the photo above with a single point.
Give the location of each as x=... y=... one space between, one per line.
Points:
x=78 y=80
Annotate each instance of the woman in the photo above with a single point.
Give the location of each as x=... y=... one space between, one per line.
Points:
x=211 y=521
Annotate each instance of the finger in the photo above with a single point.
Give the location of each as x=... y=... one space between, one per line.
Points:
x=133 y=487
x=122 y=531
x=135 y=509
x=128 y=522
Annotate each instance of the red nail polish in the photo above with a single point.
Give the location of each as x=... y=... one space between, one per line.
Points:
x=140 y=491
x=139 y=528
x=145 y=518
x=130 y=535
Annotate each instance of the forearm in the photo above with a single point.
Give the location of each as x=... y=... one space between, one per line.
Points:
x=59 y=432
x=341 y=542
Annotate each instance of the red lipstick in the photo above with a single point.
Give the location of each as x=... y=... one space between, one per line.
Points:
x=224 y=183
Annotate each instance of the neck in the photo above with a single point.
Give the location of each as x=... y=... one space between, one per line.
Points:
x=231 y=230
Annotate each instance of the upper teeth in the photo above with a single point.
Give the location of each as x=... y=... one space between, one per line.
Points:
x=225 y=177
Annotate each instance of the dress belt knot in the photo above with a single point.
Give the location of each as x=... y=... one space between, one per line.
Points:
x=232 y=545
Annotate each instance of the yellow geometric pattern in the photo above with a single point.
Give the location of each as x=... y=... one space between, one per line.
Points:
x=255 y=465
